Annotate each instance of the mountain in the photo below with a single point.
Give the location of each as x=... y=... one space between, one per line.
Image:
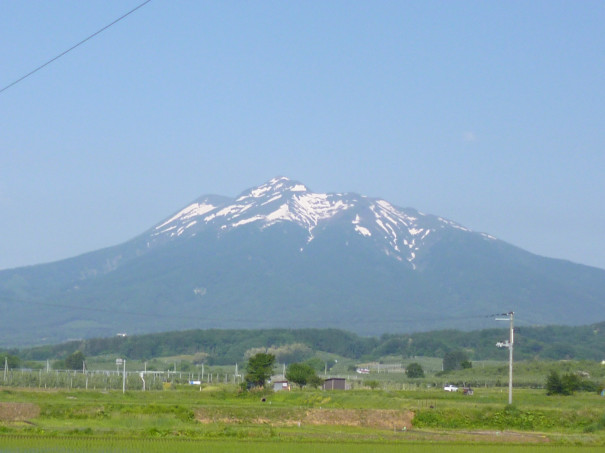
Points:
x=399 y=233
x=280 y=255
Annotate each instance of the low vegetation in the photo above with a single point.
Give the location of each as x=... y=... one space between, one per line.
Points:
x=382 y=418
x=303 y=374
x=222 y=347
x=414 y=371
x=392 y=398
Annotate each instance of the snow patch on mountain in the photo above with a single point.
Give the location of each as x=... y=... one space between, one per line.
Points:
x=281 y=213
x=453 y=224
x=246 y=221
x=363 y=231
x=193 y=210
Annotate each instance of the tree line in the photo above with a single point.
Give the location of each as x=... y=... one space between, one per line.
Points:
x=221 y=347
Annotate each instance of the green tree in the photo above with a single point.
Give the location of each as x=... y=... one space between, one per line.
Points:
x=414 y=370
x=12 y=361
x=554 y=385
x=562 y=385
x=75 y=361
x=316 y=363
x=300 y=373
x=571 y=382
x=259 y=369
x=315 y=381
x=453 y=360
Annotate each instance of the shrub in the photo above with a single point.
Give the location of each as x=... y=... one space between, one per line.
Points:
x=300 y=374
x=74 y=361
x=414 y=370
x=567 y=384
x=554 y=384
x=372 y=384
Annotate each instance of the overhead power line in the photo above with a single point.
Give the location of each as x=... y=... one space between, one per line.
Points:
x=73 y=47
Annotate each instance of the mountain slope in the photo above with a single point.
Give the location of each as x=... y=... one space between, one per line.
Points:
x=279 y=255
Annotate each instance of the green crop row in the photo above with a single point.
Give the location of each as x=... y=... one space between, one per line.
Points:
x=65 y=444
x=509 y=417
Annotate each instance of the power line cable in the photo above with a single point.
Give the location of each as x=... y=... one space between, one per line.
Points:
x=73 y=47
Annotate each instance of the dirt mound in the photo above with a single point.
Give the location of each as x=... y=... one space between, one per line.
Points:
x=371 y=418
x=12 y=412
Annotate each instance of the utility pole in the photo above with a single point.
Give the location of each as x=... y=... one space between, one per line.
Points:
x=123 y=363
x=509 y=344
x=510 y=359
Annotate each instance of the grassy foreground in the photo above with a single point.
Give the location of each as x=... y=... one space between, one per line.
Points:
x=185 y=418
x=121 y=445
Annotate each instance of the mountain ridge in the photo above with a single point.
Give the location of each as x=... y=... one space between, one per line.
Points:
x=281 y=255
x=296 y=203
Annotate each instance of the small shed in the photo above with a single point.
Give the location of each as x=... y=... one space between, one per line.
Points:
x=334 y=384
x=281 y=385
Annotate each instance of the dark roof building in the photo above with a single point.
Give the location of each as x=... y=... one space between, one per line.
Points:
x=334 y=384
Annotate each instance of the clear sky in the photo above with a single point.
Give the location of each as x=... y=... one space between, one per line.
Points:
x=490 y=113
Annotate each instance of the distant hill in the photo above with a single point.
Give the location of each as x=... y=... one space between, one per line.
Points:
x=229 y=346
x=280 y=255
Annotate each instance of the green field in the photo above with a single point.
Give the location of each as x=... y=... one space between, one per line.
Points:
x=184 y=418
x=49 y=401
x=242 y=446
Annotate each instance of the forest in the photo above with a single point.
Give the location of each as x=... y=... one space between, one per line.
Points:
x=217 y=347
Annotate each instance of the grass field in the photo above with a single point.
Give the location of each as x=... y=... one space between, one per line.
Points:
x=225 y=446
x=185 y=418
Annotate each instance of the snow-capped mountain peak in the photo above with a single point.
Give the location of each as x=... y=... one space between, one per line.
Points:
x=276 y=186
x=398 y=232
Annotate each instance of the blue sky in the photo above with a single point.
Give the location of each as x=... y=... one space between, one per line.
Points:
x=488 y=113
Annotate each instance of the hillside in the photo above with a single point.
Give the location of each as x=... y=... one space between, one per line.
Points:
x=230 y=346
x=282 y=256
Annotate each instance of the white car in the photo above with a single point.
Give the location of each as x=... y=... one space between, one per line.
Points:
x=450 y=388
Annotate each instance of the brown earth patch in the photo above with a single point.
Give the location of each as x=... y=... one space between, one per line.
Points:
x=207 y=420
x=12 y=412
x=371 y=418
x=399 y=423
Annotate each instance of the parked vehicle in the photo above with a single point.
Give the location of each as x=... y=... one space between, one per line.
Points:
x=450 y=388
